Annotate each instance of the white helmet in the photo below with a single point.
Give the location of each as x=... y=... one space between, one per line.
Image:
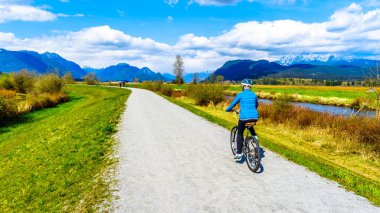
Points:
x=246 y=82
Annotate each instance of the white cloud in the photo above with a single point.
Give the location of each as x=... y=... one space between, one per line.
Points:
x=232 y=2
x=170 y=19
x=7 y=37
x=350 y=31
x=13 y=12
x=15 y=1
x=371 y=3
x=215 y=2
x=171 y=2
x=67 y=15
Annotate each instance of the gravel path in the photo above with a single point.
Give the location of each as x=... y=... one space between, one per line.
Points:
x=174 y=161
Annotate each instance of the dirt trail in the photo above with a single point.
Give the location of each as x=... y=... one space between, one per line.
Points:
x=174 y=161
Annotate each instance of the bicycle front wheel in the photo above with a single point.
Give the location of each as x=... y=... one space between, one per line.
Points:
x=253 y=154
x=233 y=140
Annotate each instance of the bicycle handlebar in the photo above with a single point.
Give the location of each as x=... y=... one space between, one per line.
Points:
x=236 y=111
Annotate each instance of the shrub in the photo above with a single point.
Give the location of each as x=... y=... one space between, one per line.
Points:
x=6 y=82
x=49 y=84
x=90 y=79
x=23 y=81
x=167 y=90
x=362 y=130
x=205 y=94
x=7 y=94
x=280 y=109
x=153 y=86
x=68 y=78
x=177 y=93
x=8 y=108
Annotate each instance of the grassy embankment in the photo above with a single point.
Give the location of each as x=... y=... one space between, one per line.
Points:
x=54 y=159
x=22 y=92
x=334 y=152
x=328 y=95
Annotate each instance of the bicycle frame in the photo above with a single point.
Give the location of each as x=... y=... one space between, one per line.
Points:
x=247 y=141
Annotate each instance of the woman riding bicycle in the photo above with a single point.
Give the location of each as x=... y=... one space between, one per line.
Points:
x=248 y=113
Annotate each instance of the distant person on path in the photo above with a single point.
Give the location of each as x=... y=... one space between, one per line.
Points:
x=248 y=113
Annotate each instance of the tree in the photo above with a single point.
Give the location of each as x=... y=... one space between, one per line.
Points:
x=68 y=78
x=195 y=78
x=211 y=78
x=219 y=78
x=90 y=79
x=136 y=80
x=178 y=69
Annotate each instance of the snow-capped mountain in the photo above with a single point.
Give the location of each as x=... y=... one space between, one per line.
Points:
x=327 y=59
x=303 y=59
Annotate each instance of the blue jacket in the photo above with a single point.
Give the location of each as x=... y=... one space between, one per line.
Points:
x=248 y=105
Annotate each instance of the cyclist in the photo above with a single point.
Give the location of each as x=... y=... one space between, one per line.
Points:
x=248 y=113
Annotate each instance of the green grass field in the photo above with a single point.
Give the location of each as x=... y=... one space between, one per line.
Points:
x=53 y=160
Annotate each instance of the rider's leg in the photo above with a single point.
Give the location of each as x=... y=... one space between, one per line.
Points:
x=252 y=131
x=241 y=127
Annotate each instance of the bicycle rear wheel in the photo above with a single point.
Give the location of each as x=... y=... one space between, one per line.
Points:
x=233 y=140
x=253 y=154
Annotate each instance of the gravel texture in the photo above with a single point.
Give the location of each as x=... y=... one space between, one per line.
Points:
x=171 y=160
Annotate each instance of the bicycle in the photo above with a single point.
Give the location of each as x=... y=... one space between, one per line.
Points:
x=251 y=147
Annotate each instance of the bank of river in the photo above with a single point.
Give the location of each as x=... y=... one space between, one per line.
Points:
x=336 y=110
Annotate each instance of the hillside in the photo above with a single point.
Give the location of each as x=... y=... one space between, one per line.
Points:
x=341 y=72
x=239 y=69
x=314 y=69
x=126 y=72
x=11 y=61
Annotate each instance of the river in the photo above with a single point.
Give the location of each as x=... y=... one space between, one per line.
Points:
x=336 y=110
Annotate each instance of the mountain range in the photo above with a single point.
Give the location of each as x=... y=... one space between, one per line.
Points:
x=11 y=61
x=299 y=66
x=126 y=72
x=327 y=67
x=327 y=60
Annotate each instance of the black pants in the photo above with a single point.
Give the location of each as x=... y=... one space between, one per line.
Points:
x=241 y=128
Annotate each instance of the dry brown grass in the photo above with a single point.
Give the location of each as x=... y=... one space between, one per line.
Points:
x=357 y=130
x=7 y=94
x=43 y=100
x=37 y=92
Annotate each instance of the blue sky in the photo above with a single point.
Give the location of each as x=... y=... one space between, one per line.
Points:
x=99 y=33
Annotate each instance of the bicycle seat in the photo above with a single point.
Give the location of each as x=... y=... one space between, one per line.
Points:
x=250 y=124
